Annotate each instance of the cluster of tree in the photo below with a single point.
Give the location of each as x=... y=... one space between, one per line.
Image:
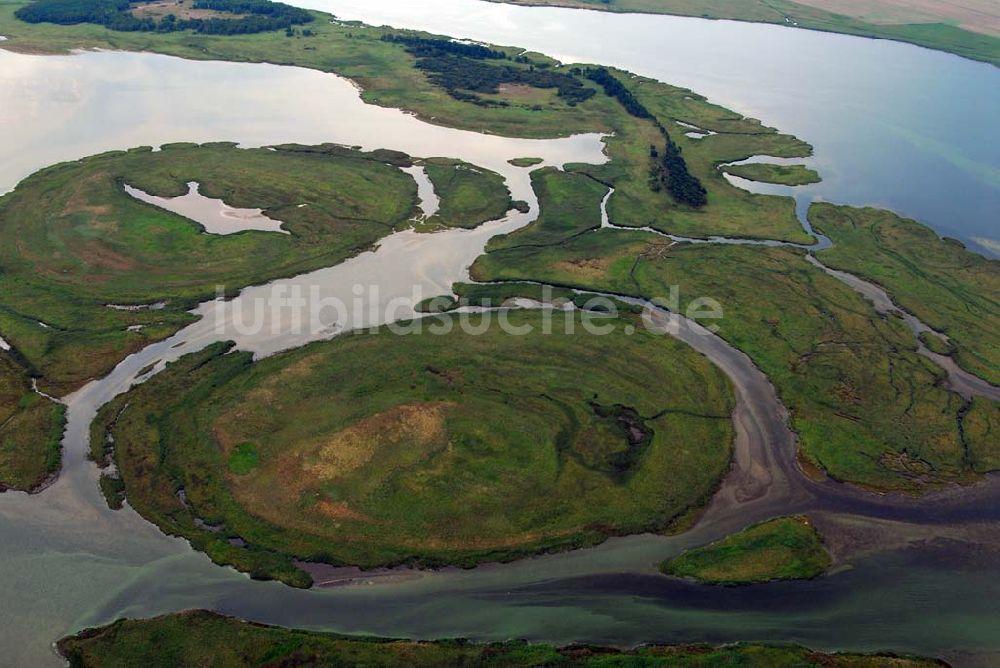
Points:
x=463 y=70
x=260 y=16
x=423 y=47
x=616 y=89
x=463 y=77
x=671 y=171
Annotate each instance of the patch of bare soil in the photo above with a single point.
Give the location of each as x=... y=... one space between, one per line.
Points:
x=982 y=16
x=182 y=9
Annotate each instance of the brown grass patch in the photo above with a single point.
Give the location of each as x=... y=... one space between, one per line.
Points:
x=339 y=511
x=99 y=255
x=420 y=424
x=275 y=490
x=982 y=16
x=596 y=267
x=182 y=9
x=525 y=94
x=79 y=200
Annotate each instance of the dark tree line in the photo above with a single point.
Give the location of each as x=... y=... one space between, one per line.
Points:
x=669 y=170
x=464 y=70
x=616 y=89
x=262 y=16
x=423 y=47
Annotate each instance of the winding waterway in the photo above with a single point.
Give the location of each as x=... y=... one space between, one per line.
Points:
x=893 y=125
x=66 y=561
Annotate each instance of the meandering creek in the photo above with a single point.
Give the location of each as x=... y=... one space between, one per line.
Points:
x=66 y=561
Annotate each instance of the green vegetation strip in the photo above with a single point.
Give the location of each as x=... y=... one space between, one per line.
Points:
x=431 y=449
x=867 y=408
x=213 y=17
x=200 y=638
x=31 y=429
x=786 y=175
x=787 y=548
x=942 y=35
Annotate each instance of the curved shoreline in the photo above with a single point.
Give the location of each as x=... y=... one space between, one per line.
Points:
x=863 y=31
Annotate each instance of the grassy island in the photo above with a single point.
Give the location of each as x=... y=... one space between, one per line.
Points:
x=201 y=638
x=469 y=195
x=526 y=162
x=787 y=548
x=89 y=261
x=569 y=205
x=464 y=448
x=785 y=175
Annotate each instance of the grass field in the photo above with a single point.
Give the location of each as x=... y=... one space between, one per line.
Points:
x=433 y=449
x=786 y=548
x=30 y=430
x=867 y=408
x=730 y=211
x=469 y=195
x=786 y=175
x=569 y=204
x=948 y=288
x=80 y=242
x=967 y=28
x=200 y=638
x=981 y=426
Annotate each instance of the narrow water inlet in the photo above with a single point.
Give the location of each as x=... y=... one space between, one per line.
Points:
x=427 y=199
x=214 y=215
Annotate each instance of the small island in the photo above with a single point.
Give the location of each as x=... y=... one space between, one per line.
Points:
x=786 y=548
x=783 y=175
x=202 y=638
x=526 y=162
x=467 y=448
x=469 y=195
